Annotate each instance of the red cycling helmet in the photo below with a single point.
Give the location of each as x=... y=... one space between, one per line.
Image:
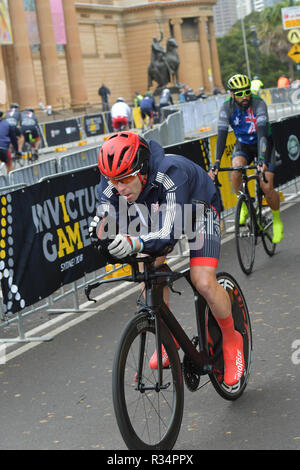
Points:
x=122 y=155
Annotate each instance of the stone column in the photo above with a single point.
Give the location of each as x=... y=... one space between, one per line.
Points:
x=205 y=54
x=176 y=22
x=3 y=84
x=214 y=54
x=24 y=71
x=49 y=57
x=74 y=56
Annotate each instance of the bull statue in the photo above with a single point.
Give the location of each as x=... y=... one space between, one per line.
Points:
x=164 y=64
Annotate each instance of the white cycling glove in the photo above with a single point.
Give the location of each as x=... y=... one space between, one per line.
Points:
x=93 y=229
x=122 y=246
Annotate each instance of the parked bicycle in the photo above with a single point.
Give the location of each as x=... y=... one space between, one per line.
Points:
x=149 y=403
x=259 y=222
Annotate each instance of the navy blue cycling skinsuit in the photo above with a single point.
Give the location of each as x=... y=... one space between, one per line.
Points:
x=7 y=136
x=13 y=117
x=147 y=106
x=180 y=187
x=29 y=122
x=251 y=128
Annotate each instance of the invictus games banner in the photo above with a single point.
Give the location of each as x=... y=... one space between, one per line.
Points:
x=44 y=241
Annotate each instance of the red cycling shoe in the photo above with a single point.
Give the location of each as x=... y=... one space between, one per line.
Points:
x=233 y=360
x=165 y=359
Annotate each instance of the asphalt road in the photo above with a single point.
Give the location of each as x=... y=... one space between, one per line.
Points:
x=57 y=394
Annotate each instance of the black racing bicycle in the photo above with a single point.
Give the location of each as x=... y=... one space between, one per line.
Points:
x=149 y=403
x=16 y=157
x=30 y=152
x=259 y=222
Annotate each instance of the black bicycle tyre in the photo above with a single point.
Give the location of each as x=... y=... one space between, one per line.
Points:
x=141 y=323
x=240 y=235
x=242 y=324
x=268 y=245
x=28 y=152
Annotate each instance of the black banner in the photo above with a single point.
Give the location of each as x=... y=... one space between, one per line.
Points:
x=44 y=238
x=93 y=125
x=62 y=132
x=286 y=136
x=195 y=150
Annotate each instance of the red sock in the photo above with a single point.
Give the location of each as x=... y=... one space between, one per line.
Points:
x=227 y=327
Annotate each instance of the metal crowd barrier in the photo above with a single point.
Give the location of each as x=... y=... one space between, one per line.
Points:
x=31 y=174
x=170 y=131
x=78 y=159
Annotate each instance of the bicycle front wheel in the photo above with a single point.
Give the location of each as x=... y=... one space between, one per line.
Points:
x=242 y=324
x=245 y=236
x=267 y=233
x=148 y=418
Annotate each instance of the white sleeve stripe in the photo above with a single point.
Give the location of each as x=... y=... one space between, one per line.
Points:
x=165 y=180
x=108 y=190
x=166 y=229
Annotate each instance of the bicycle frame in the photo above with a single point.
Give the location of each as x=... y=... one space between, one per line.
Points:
x=155 y=306
x=245 y=191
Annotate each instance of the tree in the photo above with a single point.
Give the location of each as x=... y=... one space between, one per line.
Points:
x=273 y=59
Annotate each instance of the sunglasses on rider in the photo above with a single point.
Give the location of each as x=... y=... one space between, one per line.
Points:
x=125 y=180
x=241 y=94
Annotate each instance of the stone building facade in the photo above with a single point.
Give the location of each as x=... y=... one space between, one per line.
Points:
x=108 y=41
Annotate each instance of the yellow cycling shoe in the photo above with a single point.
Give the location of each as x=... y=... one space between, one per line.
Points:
x=244 y=214
x=278 y=234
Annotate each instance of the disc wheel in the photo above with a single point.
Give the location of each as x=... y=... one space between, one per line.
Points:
x=242 y=324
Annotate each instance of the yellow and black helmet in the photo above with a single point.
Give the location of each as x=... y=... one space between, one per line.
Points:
x=238 y=82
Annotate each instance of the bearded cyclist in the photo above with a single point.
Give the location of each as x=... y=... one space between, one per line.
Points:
x=157 y=192
x=247 y=114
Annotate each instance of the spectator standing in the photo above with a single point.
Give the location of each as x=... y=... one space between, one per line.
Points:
x=201 y=95
x=181 y=96
x=189 y=94
x=216 y=90
x=137 y=100
x=256 y=84
x=104 y=92
x=165 y=100
x=283 y=82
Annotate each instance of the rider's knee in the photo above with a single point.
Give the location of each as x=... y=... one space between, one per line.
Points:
x=204 y=284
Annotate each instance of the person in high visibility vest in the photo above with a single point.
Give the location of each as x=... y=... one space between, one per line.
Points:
x=283 y=82
x=256 y=84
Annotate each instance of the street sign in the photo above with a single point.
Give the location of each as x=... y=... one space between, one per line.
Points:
x=290 y=17
x=293 y=36
x=294 y=53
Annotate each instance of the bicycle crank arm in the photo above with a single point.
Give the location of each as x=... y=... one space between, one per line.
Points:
x=141 y=387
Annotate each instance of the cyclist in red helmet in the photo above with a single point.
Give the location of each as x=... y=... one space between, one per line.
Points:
x=162 y=196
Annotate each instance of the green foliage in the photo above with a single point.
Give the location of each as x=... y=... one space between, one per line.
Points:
x=272 y=57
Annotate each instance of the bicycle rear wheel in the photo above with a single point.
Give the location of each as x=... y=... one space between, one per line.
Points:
x=148 y=419
x=267 y=233
x=242 y=324
x=245 y=236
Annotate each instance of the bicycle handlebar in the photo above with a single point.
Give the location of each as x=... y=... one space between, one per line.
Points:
x=244 y=168
x=136 y=276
